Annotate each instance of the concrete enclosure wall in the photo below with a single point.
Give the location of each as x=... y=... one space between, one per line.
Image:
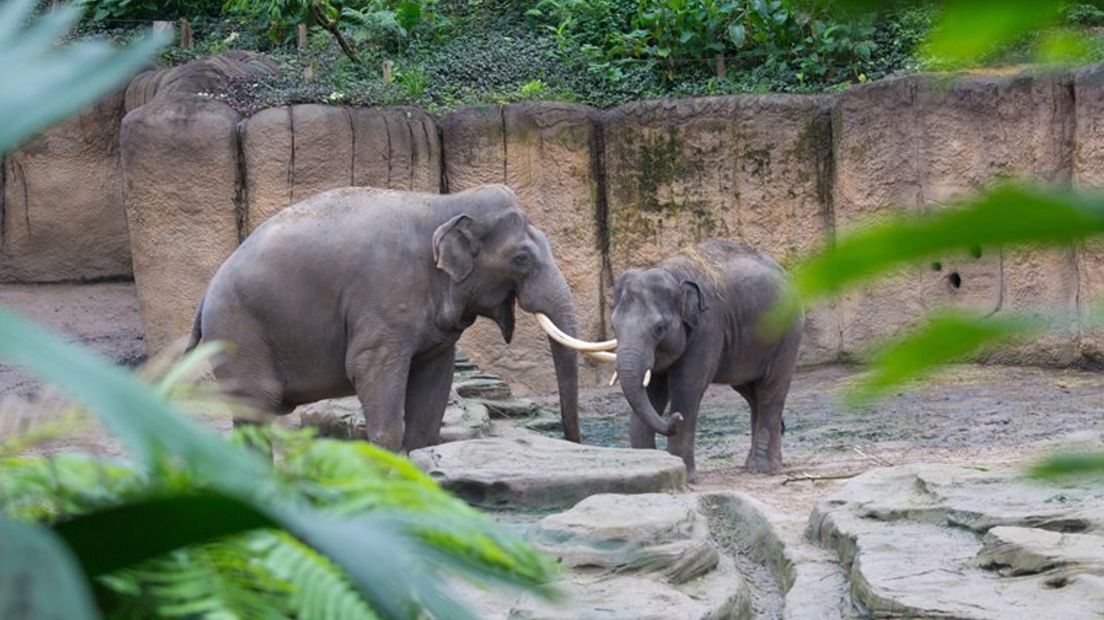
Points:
x=611 y=188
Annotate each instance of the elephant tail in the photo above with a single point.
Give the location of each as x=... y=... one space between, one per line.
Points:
x=197 y=330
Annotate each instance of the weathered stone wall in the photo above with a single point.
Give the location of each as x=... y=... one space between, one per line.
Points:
x=294 y=152
x=61 y=202
x=546 y=153
x=612 y=189
x=749 y=168
x=917 y=142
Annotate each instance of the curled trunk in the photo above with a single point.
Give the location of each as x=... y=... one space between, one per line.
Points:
x=631 y=366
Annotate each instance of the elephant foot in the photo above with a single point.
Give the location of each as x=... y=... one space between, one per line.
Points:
x=762 y=464
x=691 y=476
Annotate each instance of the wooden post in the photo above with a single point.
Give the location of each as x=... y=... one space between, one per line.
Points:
x=308 y=72
x=159 y=26
x=387 y=66
x=721 y=71
x=185 y=33
x=302 y=32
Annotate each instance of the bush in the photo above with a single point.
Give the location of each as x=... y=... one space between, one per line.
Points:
x=107 y=10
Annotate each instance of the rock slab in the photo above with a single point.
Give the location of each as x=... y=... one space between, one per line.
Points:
x=534 y=472
x=632 y=556
x=955 y=542
x=343 y=418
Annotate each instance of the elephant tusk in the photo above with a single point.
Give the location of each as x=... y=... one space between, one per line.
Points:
x=601 y=356
x=647 y=377
x=613 y=379
x=555 y=333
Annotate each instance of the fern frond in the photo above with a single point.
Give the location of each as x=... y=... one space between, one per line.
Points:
x=48 y=488
x=321 y=590
x=224 y=580
x=357 y=477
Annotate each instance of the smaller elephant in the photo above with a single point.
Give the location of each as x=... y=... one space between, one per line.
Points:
x=693 y=320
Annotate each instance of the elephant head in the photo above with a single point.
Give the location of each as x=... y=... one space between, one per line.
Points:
x=653 y=314
x=494 y=258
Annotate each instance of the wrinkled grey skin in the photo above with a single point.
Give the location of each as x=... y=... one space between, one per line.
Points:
x=362 y=291
x=692 y=319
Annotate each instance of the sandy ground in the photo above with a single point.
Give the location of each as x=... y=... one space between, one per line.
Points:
x=102 y=316
x=975 y=415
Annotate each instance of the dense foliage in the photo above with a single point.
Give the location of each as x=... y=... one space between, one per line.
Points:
x=263 y=573
x=448 y=53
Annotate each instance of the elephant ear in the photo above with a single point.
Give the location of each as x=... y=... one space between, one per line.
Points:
x=455 y=246
x=693 y=303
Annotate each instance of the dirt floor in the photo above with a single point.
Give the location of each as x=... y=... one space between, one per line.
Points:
x=973 y=415
x=967 y=415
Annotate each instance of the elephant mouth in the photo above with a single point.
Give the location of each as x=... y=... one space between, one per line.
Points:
x=504 y=316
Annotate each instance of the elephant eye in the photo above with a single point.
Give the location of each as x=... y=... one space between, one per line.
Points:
x=660 y=329
x=521 y=260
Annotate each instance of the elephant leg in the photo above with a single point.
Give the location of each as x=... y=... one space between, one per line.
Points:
x=685 y=399
x=379 y=375
x=747 y=390
x=640 y=436
x=427 y=392
x=765 y=454
x=250 y=380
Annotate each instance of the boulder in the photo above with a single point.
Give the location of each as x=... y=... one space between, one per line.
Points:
x=546 y=152
x=1015 y=551
x=210 y=75
x=532 y=471
x=343 y=418
x=921 y=141
x=649 y=532
x=633 y=556
x=755 y=169
x=959 y=542
x=180 y=166
x=61 y=202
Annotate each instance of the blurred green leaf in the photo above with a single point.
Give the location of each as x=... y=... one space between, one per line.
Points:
x=114 y=538
x=1062 y=465
x=39 y=577
x=942 y=339
x=130 y=409
x=379 y=553
x=967 y=30
x=1007 y=215
x=42 y=83
x=1063 y=46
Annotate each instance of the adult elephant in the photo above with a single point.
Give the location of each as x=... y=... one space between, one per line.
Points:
x=692 y=320
x=364 y=291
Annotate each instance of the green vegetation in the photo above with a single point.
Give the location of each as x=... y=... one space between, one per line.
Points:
x=193 y=525
x=448 y=53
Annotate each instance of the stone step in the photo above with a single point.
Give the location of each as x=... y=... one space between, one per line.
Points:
x=536 y=472
x=959 y=542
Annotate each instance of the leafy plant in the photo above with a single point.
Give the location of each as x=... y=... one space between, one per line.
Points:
x=108 y=10
x=193 y=487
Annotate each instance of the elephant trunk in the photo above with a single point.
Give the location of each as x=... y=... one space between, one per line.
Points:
x=549 y=294
x=632 y=366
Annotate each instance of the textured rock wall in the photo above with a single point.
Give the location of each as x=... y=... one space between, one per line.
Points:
x=546 y=153
x=293 y=152
x=751 y=168
x=918 y=142
x=627 y=186
x=61 y=202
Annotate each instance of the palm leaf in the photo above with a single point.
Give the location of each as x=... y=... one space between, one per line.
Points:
x=40 y=578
